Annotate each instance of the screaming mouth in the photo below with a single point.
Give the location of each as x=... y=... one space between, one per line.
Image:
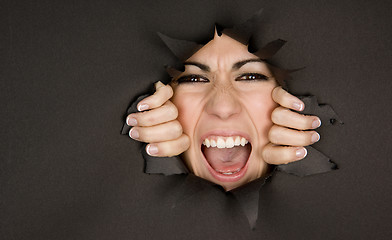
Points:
x=226 y=157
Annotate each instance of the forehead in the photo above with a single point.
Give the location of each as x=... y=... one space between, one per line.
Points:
x=222 y=51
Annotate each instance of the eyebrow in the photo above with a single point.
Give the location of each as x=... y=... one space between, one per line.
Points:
x=239 y=64
x=203 y=67
x=235 y=66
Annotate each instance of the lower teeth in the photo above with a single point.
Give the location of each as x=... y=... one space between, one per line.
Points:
x=229 y=173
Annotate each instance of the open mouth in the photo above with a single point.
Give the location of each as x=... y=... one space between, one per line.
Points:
x=226 y=156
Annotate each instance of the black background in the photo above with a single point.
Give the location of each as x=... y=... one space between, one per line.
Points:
x=69 y=70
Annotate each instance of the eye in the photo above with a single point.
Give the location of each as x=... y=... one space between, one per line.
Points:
x=192 y=79
x=252 y=77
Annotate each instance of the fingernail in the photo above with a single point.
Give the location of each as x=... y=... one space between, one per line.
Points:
x=142 y=107
x=151 y=149
x=133 y=133
x=301 y=153
x=315 y=137
x=316 y=123
x=158 y=85
x=298 y=106
x=131 y=121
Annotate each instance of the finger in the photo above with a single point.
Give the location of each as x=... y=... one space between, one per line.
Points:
x=169 y=148
x=161 y=95
x=285 y=99
x=287 y=118
x=167 y=112
x=275 y=154
x=158 y=133
x=285 y=136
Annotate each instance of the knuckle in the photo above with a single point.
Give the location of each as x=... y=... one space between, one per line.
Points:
x=143 y=134
x=170 y=149
x=185 y=142
x=266 y=154
x=149 y=119
x=299 y=121
x=177 y=128
x=179 y=146
x=170 y=91
x=172 y=111
x=170 y=152
x=276 y=93
x=285 y=155
x=152 y=101
x=143 y=118
x=165 y=149
x=273 y=134
x=167 y=91
x=277 y=115
x=303 y=123
x=288 y=155
x=150 y=98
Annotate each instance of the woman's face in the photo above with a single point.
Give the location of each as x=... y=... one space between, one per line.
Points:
x=224 y=103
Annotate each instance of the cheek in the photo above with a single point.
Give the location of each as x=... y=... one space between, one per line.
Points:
x=187 y=106
x=189 y=109
x=260 y=105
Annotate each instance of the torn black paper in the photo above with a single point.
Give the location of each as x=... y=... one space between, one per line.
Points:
x=163 y=165
x=248 y=198
x=243 y=32
x=132 y=109
x=323 y=111
x=190 y=187
x=314 y=163
x=182 y=49
x=248 y=195
x=269 y=50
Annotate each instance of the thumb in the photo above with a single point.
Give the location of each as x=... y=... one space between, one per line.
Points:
x=158 y=85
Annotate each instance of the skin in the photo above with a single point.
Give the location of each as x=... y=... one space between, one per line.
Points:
x=229 y=88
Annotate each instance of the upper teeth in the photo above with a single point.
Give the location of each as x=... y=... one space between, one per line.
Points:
x=225 y=142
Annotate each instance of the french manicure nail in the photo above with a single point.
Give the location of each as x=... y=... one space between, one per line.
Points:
x=131 y=121
x=142 y=107
x=301 y=152
x=315 y=137
x=298 y=106
x=151 y=149
x=133 y=133
x=158 y=85
x=316 y=123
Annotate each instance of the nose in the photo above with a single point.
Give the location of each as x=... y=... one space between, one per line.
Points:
x=223 y=103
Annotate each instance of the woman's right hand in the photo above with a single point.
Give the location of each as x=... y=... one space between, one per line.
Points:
x=159 y=126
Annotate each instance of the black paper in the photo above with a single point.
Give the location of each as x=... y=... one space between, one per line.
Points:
x=247 y=196
x=70 y=69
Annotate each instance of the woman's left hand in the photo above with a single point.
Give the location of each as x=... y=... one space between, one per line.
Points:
x=291 y=131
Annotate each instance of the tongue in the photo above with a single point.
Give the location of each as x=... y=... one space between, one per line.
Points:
x=226 y=160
